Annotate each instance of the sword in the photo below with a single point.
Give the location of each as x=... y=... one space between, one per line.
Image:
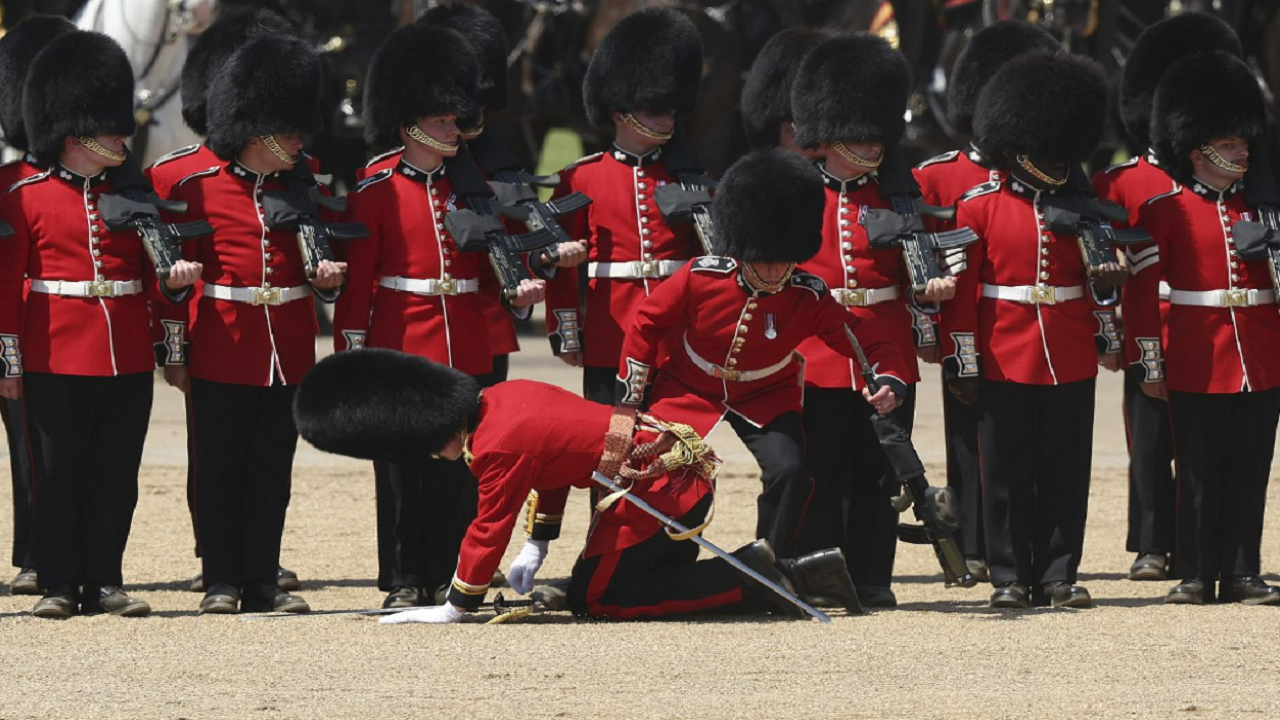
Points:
x=504 y=609
x=676 y=527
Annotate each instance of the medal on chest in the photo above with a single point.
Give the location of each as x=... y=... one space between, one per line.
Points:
x=770 y=326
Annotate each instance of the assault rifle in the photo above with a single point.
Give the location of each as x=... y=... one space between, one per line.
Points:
x=477 y=227
x=135 y=205
x=934 y=528
x=1260 y=239
x=1078 y=211
x=903 y=225
x=297 y=208
x=512 y=187
x=689 y=199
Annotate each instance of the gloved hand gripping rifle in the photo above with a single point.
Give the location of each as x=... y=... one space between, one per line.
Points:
x=134 y=204
x=297 y=208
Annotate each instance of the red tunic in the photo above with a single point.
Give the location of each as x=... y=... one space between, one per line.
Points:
x=847 y=261
x=169 y=169
x=943 y=179
x=59 y=236
x=1208 y=349
x=1034 y=344
x=707 y=309
x=237 y=342
x=1129 y=185
x=502 y=327
x=404 y=209
x=534 y=436
x=622 y=225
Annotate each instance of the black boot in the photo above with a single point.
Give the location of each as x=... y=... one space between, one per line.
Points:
x=759 y=556
x=823 y=574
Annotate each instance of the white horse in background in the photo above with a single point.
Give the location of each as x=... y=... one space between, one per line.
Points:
x=156 y=35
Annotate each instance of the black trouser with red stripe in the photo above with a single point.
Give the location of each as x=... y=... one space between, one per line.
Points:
x=660 y=577
x=14 y=413
x=1037 y=453
x=86 y=436
x=1153 y=491
x=964 y=475
x=244 y=441
x=423 y=511
x=853 y=483
x=1225 y=446
x=787 y=486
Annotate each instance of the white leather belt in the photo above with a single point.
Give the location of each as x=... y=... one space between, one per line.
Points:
x=1238 y=297
x=634 y=269
x=430 y=286
x=1033 y=294
x=722 y=373
x=1164 y=290
x=862 y=297
x=257 y=295
x=87 y=288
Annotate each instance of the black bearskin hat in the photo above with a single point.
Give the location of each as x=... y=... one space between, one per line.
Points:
x=851 y=88
x=1155 y=51
x=485 y=34
x=81 y=84
x=270 y=85
x=212 y=50
x=383 y=405
x=1203 y=97
x=652 y=60
x=766 y=94
x=1049 y=105
x=419 y=70
x=18 y=49
x=988 y=50
x=768 y=208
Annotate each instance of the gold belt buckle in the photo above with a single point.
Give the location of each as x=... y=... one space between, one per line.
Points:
x=102 y=288
x=721 y=373
x=1041 y=295
x=1235 y=297
x=647 y=268
x=266 y=296
x=447 y=287
x=853 y=297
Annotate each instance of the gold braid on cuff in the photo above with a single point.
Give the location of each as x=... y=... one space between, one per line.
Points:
x=274 y=146
x=1216 y=158
x=1036 y=173
x=855 y=158
x=98 y=148
x=415 y=132
x=644 y=130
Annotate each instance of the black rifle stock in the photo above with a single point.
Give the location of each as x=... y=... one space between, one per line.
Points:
x=1260 y=239
x=297 y=208
x=135 y=205
x=477 y=227
x=690 y=198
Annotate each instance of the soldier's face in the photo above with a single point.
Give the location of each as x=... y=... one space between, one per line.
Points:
x=771 y=272
x=1232 y=151
x=443 y=128
x=661 y=122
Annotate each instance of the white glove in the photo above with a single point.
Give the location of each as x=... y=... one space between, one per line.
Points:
x=438 y=615
x=525 y=566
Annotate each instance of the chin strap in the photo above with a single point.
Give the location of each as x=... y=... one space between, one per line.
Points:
x=1038 y=174
x=759 y=284
x=643 y=129
x=416 y=133
x=98 y=148
x=274 y=146
x=855 y=158
x=1216 y=158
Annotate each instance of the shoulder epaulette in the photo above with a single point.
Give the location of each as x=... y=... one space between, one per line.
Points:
x=383 y=156
x=1120 y=166
x=1176 y=189
x=944 y=157
x=584 y=160
x=985 y=188
x=180 y=152
x=199 y=173
x=31 y=179
x=374 y=179
x=714 y=263
x=809 y=282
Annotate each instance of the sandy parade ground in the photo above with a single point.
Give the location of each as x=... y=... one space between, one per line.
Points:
x=941 y=654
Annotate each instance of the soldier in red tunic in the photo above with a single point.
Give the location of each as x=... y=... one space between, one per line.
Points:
x=1152 y=489
x=1219 y=345
x=82 y=333
x=253 y=329
x=734 y=322
x=412 y=290
x=1024 y=329
x=644 y=75
x=18 y=48
x=943 y=179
